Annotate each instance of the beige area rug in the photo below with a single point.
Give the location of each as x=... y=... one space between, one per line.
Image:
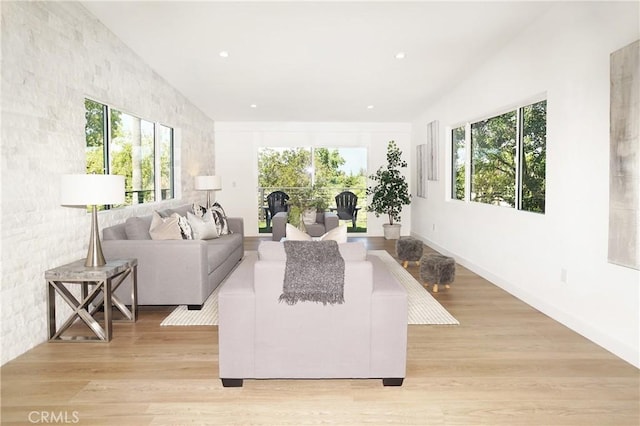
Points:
x=423 y=308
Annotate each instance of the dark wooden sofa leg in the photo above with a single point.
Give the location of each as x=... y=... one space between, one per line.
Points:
x=393 y=381
x=194 y=307
x=232 y=383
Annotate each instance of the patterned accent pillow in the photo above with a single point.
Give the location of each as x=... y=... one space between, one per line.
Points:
x=198 y=210
x=185 y=228
x=221 y=219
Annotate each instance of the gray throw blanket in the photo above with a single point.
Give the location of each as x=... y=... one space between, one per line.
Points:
x=314 y=272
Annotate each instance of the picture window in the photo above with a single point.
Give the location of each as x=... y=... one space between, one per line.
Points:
x=502 y=160
x=140 y=150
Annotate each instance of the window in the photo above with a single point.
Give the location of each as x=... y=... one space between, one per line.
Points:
x=165 y=147
x=95 y=131
x=320 y=173
x=458 y=159
x=534 y=157
x=493 y=150
x=123 y=144
x=508 y=159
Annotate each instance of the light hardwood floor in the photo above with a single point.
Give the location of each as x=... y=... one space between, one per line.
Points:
x=505 y=364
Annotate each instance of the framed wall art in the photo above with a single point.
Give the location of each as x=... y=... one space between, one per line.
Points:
x=624 y=157
x=421 y=178
x=432 y=151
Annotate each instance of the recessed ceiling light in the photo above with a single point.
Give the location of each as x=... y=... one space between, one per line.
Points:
x=400 y=55
x=224 y=54
x=253 y=106
x=369 y=106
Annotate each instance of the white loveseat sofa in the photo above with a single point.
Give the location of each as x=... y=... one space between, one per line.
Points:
x=262 y=338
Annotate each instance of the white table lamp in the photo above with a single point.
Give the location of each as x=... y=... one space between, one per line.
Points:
x=208 y=183
x=92 y=190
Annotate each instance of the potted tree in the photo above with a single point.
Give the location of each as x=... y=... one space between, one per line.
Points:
x=390 y=191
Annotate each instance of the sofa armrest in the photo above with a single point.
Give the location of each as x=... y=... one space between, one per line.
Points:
x=236 y=225
x=236 y=322
x=389 y=322
x=279 y=226
x=330 y=221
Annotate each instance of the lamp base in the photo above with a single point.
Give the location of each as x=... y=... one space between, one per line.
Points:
x=95 y=258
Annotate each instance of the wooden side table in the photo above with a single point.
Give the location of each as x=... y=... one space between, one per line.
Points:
x=105 y=280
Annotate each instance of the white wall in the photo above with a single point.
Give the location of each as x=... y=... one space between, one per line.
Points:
x=237 y=147
x=54 y=54
x=565 y=54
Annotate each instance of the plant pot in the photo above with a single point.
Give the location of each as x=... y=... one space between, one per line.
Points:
x=391 y=232
x=309 y=216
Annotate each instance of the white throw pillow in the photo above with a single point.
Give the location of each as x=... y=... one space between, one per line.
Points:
x=294 y=234
x=338 y=234
x=204 y=228
x=165 y=228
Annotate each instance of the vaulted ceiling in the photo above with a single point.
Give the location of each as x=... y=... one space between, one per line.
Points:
x=315 y=61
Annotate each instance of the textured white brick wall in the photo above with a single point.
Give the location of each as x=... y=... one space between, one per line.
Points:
x=53 y=56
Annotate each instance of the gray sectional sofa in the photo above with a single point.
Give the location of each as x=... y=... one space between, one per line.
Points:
x=174 y=272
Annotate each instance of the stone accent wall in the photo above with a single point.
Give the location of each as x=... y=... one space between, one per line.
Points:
x=54 y=54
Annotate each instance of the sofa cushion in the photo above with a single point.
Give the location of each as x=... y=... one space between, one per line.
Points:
x=137 y=228
x=216 y=255
x=165 y=228
x=181 y=210
x=219 y=249
x=115 y=232
x=315 y=229
x=353 y=251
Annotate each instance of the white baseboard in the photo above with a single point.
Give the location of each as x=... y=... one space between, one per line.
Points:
x=619 y=349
